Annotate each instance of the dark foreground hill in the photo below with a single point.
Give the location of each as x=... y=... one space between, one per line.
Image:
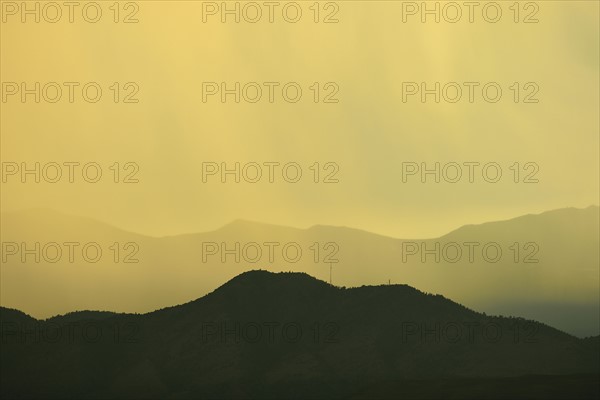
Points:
x=288 y=335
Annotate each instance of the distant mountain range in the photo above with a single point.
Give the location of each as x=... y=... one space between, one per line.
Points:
x=548 y=268
x=289 y=335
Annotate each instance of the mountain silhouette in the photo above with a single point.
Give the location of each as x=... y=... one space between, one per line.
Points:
x=560 y=287
x=289 y=335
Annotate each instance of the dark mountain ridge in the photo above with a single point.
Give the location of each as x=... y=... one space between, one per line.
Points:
x=281 y=335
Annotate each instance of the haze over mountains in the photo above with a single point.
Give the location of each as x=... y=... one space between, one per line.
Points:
x=290 y=335
x=551 y=274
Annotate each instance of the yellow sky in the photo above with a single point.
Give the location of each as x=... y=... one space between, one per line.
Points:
x=369 y=133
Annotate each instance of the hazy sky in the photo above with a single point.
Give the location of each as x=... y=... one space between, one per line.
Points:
x=369 y=133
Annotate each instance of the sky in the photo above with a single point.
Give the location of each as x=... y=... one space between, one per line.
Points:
x=364 y=130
